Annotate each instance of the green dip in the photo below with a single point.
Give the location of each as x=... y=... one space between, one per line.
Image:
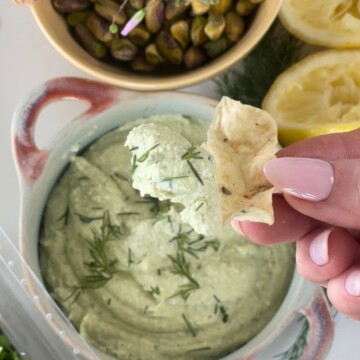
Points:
x=139 y=284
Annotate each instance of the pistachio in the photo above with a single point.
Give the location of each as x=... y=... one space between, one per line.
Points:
x=152 y=55
x=217 y=47
x=169 y=48
x=194 y=57
x=67 y=6
x=197 y=33
x=89 y=42
x=199 y=7
x=78 y=17
x=123 y=49
x=110 y=11
x=137 y=4
x=99 y=27
x=181 y=33
x=235 y=26
x=154 y=15
x=244 y=7
x=215 y=26
x=140 y=64
x=139 y=35
x=174 y=8
x=257 y=1
x=221 y=6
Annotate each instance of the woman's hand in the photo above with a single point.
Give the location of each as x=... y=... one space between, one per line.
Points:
x=319 y=209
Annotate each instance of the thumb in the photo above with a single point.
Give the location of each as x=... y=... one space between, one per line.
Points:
x=325 y=190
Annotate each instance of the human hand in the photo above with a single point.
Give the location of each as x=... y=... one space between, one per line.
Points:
x=319 y=209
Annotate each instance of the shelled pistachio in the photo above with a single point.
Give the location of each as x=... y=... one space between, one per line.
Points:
x=221 y=6
x=123 y=49
x=140 y=35
x=99 y=27
x=181 y=33
x=140 y=64
x=215 y=26
x=174 y=8
x=89 y=42
x=245 y=7
x=197 y=31
x=199 y=7
x=235 y=26
x=152 y=55
x=137 y=4
x=154 y=16
x=78 y=17
x=169 y=48
x=215 y=48
x=194 y=57
x=109 y=10
x=68 y=6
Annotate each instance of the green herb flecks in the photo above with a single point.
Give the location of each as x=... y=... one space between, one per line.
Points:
x=7 y=351
x=199 y=206
x=157 y=206
x=88 y=219
x=128 y=213
x=133 y=167
x=154 y=290
x=140 y=159
x=171 y=178
x=222 y=310
x=275 y=53
x=204 y=348
x=130 y=259
x=295 y=351
x=146 y=154
x=189 y=325
x=193 y=153
x=101 y=267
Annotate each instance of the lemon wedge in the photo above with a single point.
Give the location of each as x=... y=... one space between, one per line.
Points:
x=331 y=23
x=318 y=95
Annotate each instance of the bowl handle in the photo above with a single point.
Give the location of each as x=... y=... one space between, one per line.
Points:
x=29 y=158
x=321 y=327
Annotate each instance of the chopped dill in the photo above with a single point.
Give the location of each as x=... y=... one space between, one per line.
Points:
x=199 y=206
x=65 y=216
x=191 y=153
x=87 y=219
x=189 y=325
x=130 y=259
x=195 y=172
x=146 y=154
x=174 y=178
x=127 y=213
x=154 y=290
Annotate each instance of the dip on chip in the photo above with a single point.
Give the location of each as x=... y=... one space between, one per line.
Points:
x=216 y=182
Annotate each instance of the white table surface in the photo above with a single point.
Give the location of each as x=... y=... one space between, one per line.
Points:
x=27 y=59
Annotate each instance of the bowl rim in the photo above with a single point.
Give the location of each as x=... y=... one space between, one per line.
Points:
x=43 y=11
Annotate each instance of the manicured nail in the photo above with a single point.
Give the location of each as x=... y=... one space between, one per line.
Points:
x=352 y=283
x=309 y=179
x=319 y=248
x=236 y=226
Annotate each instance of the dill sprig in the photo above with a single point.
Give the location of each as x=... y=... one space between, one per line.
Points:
x=295 y=350
x=101 y=267
x=193 y=153
x=251 y=81
x=88 y=219
x=140 y=159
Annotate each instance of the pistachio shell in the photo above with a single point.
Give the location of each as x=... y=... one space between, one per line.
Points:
x=99 y=27
x=199 y=7
x=194 y=57
x=109 y=10
x=152 y=55
x=93 y=46
x=139 y=35
x=215 y=48
x=221 y=6
x=245 y=7
x=175 y=8
x=154 y=16
x=215 y=26
x=68 y=6
x=181 y=32
x=169 y=48
x=235 y=26
x=197 y=33
x=123 y=49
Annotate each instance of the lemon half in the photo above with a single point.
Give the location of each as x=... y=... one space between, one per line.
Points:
x=318 y=95
x=331 y=23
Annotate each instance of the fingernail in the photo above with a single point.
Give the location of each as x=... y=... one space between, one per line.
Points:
x=352 y=283
x=309 y=179
x=319 y=248
x=236 y=226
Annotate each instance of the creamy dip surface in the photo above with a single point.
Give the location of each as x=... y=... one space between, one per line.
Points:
x=137 y=282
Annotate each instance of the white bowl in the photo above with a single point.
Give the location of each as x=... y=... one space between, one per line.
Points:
x=39 y=169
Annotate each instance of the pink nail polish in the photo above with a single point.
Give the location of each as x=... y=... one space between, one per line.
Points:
x=319 y=248
x=352 y=283
x=236 y=226
x=309 y=179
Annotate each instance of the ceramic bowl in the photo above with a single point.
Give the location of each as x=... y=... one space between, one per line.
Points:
x=56 y=31
x=109 y=107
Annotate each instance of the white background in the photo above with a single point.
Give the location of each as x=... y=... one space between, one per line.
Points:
x=26 y=60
